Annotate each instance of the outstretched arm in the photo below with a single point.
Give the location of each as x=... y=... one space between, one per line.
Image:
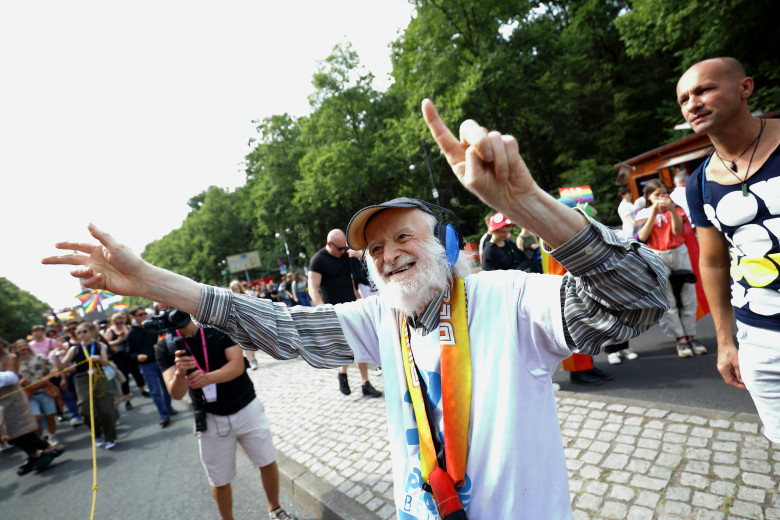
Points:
x=114 y=267
x=489 y=165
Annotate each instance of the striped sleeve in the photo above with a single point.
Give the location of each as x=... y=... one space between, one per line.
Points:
x=282 y=332
x=614 y=290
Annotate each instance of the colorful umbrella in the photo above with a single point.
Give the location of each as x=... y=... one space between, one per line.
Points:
x=91 y=299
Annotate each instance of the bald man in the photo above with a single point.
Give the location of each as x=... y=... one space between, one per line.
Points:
x=330 y=281
x=734 y=200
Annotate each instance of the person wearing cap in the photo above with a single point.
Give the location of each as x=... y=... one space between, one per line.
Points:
x=470 y=405
x=499 y=252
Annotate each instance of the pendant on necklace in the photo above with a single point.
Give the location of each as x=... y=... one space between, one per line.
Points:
x=733 y=166
x=744 y=189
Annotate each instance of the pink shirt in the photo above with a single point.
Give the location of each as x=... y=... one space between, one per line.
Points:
x=42 y=348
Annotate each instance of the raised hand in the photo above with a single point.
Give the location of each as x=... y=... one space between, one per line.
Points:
x=109 y=265
x=487 y=163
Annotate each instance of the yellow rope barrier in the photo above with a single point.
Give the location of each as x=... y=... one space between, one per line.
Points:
x=51 y=374
x=92 y=433
x=95 y=372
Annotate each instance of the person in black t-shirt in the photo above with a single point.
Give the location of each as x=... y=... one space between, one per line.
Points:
x=217 y=381
x=140 y=346
x=500 y=253
x=329 y=274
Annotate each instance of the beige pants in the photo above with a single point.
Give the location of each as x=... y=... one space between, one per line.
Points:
x=678 y=321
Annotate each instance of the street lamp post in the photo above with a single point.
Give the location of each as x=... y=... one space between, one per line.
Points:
x=413 y=167
x=283 y=236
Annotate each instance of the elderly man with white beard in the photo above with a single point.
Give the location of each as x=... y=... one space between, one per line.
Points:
x=471 y=410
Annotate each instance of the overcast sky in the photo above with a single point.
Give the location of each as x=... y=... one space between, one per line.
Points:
x=118 y=112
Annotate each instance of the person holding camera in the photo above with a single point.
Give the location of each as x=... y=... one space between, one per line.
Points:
x=140 y=346
x=211 y=367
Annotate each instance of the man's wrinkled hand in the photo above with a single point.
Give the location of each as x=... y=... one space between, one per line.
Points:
x=487 y=163
x=108 y=265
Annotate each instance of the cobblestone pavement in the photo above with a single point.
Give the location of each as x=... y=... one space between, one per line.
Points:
x=626 y=460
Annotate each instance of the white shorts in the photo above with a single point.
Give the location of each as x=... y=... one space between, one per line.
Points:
x=248 y=427
x=759 y=364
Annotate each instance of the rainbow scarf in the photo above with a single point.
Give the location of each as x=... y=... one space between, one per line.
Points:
x=456 y=387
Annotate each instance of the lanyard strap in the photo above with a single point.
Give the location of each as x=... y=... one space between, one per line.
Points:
x=456 y=387
x=91 y=350
x=205 y=353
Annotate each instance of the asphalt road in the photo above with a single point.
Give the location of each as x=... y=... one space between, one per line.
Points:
x=659 y=376
x=151 y=474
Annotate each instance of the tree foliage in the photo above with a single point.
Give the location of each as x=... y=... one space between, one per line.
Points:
x=582 y=85
x=19 y=311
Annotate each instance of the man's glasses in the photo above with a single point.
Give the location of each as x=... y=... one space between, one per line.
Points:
x=140 y=313
x=81 y=332
x=71 y=329
x=337 y=247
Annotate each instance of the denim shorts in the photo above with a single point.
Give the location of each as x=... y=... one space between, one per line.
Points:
x=42 y=404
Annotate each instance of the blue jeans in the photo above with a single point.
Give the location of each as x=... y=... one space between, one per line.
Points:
x=156 y=386
x=69 y=397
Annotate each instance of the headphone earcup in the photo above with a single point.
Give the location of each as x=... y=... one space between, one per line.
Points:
x=451 y=244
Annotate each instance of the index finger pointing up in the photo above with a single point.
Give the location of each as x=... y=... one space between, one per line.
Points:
x=453 y=149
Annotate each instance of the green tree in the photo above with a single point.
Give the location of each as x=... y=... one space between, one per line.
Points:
x=19 y=311
x=687 y=32
x=220 y=226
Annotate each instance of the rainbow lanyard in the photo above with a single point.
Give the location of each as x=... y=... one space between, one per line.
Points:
x=456 y=387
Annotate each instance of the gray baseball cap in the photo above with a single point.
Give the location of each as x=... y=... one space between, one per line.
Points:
x=356 y=229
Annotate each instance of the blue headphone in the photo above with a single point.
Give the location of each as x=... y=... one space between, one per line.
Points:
x=448 y=234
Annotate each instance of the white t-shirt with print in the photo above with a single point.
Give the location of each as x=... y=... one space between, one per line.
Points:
x=516 y=466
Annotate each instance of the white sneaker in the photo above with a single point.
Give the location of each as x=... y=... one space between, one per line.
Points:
x=697 y=347
x=628 y=354
x=556 y=387
x=614 y=358
x=110 y=445
x=99 y=442
x=683 y=350
x=76 y=421
x=53 y=439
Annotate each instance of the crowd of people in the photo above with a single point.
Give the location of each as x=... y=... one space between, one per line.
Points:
x=467 y=357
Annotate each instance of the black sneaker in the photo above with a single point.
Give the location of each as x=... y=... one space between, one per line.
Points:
x=128 y=406
x=56 y=452
x=165 y=422
x=145 y=393
x=344 y=384
x=43 y=460
x=606 y=376
x=173 y=412
x=25 y=468
x=584 y=378
x=370 y=391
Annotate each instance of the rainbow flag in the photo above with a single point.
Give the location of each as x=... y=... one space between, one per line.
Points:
x=575 y=194
x=121 y=306
x=91 y=299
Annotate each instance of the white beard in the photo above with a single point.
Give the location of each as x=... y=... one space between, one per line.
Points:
x=411 y=292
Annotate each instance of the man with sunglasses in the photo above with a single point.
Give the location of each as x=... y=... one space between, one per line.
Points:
x=330 y=281
x=141 y=345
